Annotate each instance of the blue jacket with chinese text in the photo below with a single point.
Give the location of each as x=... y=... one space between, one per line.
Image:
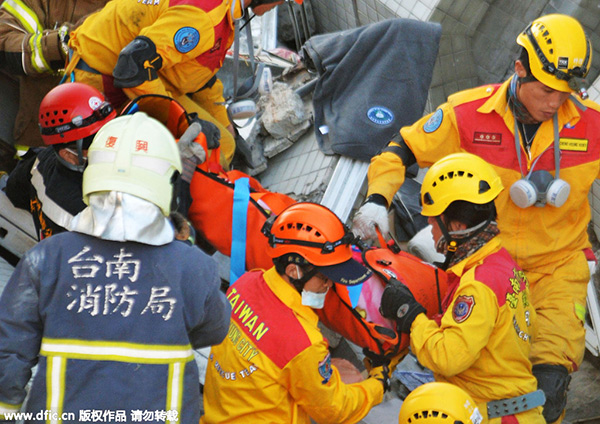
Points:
x=111 y=327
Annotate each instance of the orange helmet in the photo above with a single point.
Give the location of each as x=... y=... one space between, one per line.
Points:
x=71 y=112
x=315 y=233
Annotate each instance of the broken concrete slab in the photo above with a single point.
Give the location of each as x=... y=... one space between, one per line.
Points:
x=283 y=111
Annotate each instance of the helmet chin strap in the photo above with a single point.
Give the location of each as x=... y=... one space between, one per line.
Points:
x=80 y=166
x=452 y=244
x=299 y=283
x=518 y=108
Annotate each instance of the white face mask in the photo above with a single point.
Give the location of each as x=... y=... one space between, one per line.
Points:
x=314 y=300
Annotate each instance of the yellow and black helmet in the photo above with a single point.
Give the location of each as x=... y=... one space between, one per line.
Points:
x=560 y=54
x=458 y=176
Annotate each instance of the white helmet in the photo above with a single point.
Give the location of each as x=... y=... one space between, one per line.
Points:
x=133 y=154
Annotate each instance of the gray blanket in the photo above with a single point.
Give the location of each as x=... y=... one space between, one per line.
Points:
x=373 y=80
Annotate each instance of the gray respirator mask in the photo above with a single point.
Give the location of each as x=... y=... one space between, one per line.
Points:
x=540 y=188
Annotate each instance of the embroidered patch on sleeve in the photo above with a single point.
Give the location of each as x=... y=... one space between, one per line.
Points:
x=325 y=369
x=434 y=122
x=463 y=306
x=186 y=39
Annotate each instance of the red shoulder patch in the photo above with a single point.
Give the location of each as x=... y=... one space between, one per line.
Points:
x=265 y=320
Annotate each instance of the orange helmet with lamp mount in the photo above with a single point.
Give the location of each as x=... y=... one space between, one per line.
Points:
x=315 y=233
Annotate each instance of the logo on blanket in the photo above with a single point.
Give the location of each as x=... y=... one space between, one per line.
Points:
x=325 y=369
x=463 y=306
x=380 y=115
x=186 y=39
x=434 y=122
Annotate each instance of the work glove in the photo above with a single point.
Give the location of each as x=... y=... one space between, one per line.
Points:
x=373 y=360
x=63 y=39
x=192 y=153
x=373 y=213
x=210 y=130
x=397 y=302
x=381 y=373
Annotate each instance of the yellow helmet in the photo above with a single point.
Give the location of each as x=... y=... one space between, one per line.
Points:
x=133 y=154
x=439 y=403
x=459 y=176
x=560 y=54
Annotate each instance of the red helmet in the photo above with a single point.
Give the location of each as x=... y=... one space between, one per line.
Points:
x=73 y=111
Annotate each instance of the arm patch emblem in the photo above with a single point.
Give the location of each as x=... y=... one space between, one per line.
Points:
x=325 y=369
x=186 y=39
x=463 y=306
x=434 y=121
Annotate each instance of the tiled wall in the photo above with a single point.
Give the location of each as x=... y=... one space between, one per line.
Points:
x=477 y=46
x=478 y=36
x=594 y=93
x=336 y=15
x=302 y=171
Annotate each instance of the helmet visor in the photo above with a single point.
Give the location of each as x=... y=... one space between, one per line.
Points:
x=348 y=273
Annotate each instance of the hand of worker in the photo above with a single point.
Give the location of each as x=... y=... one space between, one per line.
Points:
x=348 y=372
x=188 y=148
x=397 y=302
x=373 y=212
x=63 y=39
x=381 y=373
x=373 y=360
x=210 y=130
x=192 y=153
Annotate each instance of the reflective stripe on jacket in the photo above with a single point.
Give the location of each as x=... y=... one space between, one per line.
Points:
x=113 y=325
x=47 y=189
x=30 y=49
x=30 y=22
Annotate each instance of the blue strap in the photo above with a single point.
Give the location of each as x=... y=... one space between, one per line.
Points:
x=241 y=197
x=354 y=293
x=134 y=108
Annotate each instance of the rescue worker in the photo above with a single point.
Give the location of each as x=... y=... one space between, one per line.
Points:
x=106 y=310
x=544 y=142
x=47 y=182
x=439 y=403
x=33 y=49
x=172 y=47
x=481 y=342
x=274 y=365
